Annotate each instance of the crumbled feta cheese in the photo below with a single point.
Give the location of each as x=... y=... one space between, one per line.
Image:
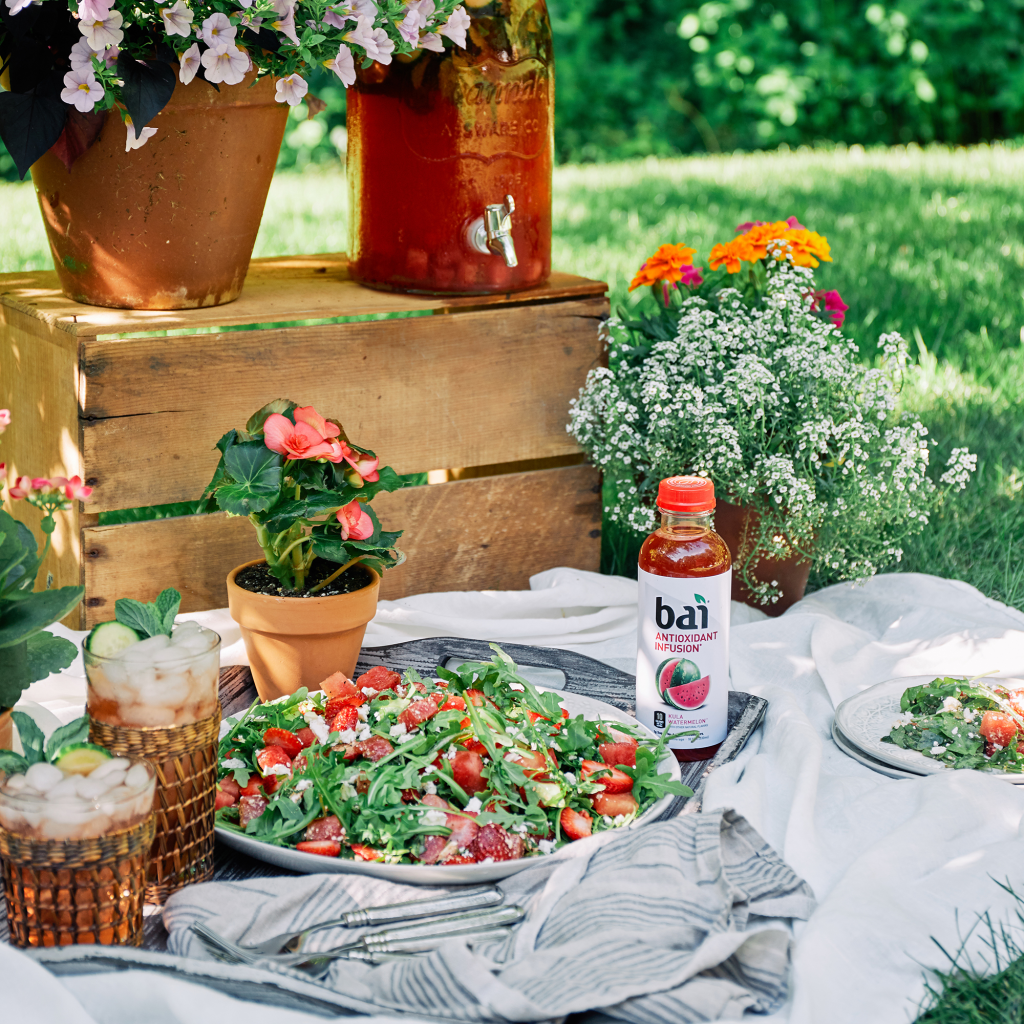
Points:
x=487 y=860
x=474 y=806
x=278 y=769
x=347 y=735
x=318 y=726
x=533 y=746
x=520 y=829
x=546 y=845
x=516 y=686
x=303 y=784
x=938 y=749
x=514 y=755
x=951 y=704
x=305 y=706
x=606 y=819
x=570 y=778
x=969 y=714
x=378 y=715
x=365 y=732
x=433 y=817
x=369 y=691
x=231 y=763
x=430 y=787
x=296 y=797
x=398 y=730
x=363 y=712
x=347 y=791
x=618 y=819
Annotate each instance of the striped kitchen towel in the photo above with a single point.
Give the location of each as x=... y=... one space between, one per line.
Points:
x=684 y=920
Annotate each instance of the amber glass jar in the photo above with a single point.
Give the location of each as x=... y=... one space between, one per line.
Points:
x=436 y=138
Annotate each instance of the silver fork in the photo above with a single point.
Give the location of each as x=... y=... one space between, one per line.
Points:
x=409 y=910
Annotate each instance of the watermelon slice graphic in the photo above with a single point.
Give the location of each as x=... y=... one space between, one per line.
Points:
x=689 y=696
x=676 y=672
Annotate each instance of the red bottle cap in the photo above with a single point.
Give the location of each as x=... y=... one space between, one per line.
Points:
x=686 y=494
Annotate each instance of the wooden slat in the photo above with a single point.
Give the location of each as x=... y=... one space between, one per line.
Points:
x=470 y=389
x=39 y=385
x=484 y=533
x=278 y=289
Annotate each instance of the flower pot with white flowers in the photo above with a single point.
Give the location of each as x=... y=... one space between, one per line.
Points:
x=304 y=607
x=152 y=132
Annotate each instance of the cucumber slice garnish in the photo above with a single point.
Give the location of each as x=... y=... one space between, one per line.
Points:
x=81 y=758
x=110 y=638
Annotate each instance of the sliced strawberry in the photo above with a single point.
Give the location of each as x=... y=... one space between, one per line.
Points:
x=224 y=798
x=271 y=783
x=322 y=847
x=438 y=697
x=433 y=800
x=478 y=698
x=250 y=808
x=378 y=678
x=267 y=757
x=346 y=719
x=338 y=685
x=375 y=748
x=306 y=737
x=366 y=852
x=252 y=788
x=464 y=829
x=614 y=804
x=287 y=741
x=620 y=750
x=613 y=780
x=476 y=747
x=432 y=847
x=575 y=824
x=493 y=842
x=453 y=702
x=325 y=828
x=459 y=858
x=299 y=765
x=229 y=786
x=533 y=762
x=998 y=728
x=417 y=713
x=410 y=796
x=467 y=770
x=536 y=716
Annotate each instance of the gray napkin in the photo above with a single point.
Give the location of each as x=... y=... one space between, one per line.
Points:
x=672 y=923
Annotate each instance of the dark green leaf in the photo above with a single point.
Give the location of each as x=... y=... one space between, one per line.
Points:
x=48 y=653
x=19 y=560
x=142 y=617
x=31 y=122
x=22 y=617
x=147 y=87
x=31 y=736
x=12 y=763
x=281 y=406
x=14 y=674
x=74 y=732
x=258 y=474
x=167 y=604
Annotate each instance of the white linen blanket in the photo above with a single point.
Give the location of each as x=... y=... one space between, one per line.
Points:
x=893 y=864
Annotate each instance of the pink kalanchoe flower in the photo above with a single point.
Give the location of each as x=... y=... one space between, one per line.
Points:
x=291 y=89
x=5 y=419
x=136 y=139
x=218 y=33
x=294 y=440
x=41 y=483
x=81 y=90
x=228 y=66
x=75 y=490
x=3 y=472
x=21 y=488
x=356 y=523
x=457 y=26
x=307 y=414
x=343 y=65
x=188 y=64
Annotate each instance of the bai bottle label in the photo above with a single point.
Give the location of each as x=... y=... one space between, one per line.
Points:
x=682 y=659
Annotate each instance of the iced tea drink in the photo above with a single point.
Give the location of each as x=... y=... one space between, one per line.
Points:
x=74 y=848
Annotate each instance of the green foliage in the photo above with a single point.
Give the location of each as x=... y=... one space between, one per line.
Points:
x=659 y=77
x=150 y=618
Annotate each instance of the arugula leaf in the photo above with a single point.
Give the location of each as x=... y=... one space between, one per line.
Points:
x=31 y=737
x=74 y=732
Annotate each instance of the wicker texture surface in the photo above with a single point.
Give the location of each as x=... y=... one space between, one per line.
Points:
x=64 y=892
x=185 y=760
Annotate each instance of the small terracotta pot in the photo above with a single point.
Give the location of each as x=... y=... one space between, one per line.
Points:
x=170 y=225
x=300 y=641
x=6 y=729
x=737 y=526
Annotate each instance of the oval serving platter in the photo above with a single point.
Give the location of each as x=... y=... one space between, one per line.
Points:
x=866 y=717
x=455 y=874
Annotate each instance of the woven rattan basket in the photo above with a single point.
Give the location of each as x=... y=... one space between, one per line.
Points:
x=64 y=892
x=185 y=760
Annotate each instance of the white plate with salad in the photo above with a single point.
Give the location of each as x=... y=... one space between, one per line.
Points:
x=465 y=777
x=928 y=725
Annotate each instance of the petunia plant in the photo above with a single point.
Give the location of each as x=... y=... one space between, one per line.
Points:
x=69 y=61
x=306 y=489
x=27 y=651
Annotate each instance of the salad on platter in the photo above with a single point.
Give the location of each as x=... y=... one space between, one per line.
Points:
x=473 y=766
x=963 y=723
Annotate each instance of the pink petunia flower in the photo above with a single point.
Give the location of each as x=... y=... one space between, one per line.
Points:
x=218 y=33
x=81 y=55
x=286 y=26
x=457 y=26
x=188 y=64
x=294 y=440
x=385 y=46
x=177 y=19
x=228 y=66
x=81 y=90
x=343 y=65
x=291 y=89
x=136 y=140
x=356 y=523
x=409 y=27
x=432 y=41
x=363 y=37
x=94 y=10
x=102 y=32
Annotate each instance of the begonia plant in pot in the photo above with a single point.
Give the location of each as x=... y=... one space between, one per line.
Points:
x=303 y=608
x=152 y=131
x=745 y=377
x=28 y=652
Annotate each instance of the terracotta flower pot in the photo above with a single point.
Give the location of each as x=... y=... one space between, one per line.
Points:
x=171 y=225
x=300 y=641
x=6 y=729
x=738 y=528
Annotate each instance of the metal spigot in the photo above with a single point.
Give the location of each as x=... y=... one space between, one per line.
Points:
x=492 y=233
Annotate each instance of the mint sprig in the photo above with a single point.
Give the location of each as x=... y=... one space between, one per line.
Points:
x=151 y=618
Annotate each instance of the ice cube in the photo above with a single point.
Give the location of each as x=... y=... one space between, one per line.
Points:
x=116 y=672
x=196 y=644
x=143 y=651
x=111 y=779
x=15 y=784
x=115 y=764
x=67 y=787
x=100 y=683
x=139 y=678
x=145 y=714
x=170 y=690
x=138 y=775
x=91 y=789
x=175 y=656
x=186 y=629
x=11 y=819
x=42 y=777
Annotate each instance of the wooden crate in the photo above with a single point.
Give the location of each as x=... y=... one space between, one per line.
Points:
x=133 y=402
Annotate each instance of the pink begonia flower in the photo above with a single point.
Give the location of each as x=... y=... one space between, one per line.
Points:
x=362 y=36
x=17 y=6
x=355 y=521
x=81 y=55
x=457 y=26
x=291 y=89
x=188 y=64
x=21 y=488
x=343 y=65
x=365 y=467
x=229 y=66
x=75 y=490
x=307 y=414
x=177 y=19
x=102 y=32
x=136 y=140
x=81 y=90
x=94 y=10
x=293 y=440
x=832 y=303
x=5 y=419
x=385 y=46
x=286 y=26
x=219 y=34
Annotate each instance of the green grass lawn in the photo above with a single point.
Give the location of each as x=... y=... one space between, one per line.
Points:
x=927 y=242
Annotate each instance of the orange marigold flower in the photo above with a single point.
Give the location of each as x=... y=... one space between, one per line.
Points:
x=731 y=253
x=665 y=265
x=760 y=235
x=806 y=245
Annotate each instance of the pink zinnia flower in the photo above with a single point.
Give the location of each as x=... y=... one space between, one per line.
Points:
x=831 y=302
x=355 y=522
x=294 y=440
